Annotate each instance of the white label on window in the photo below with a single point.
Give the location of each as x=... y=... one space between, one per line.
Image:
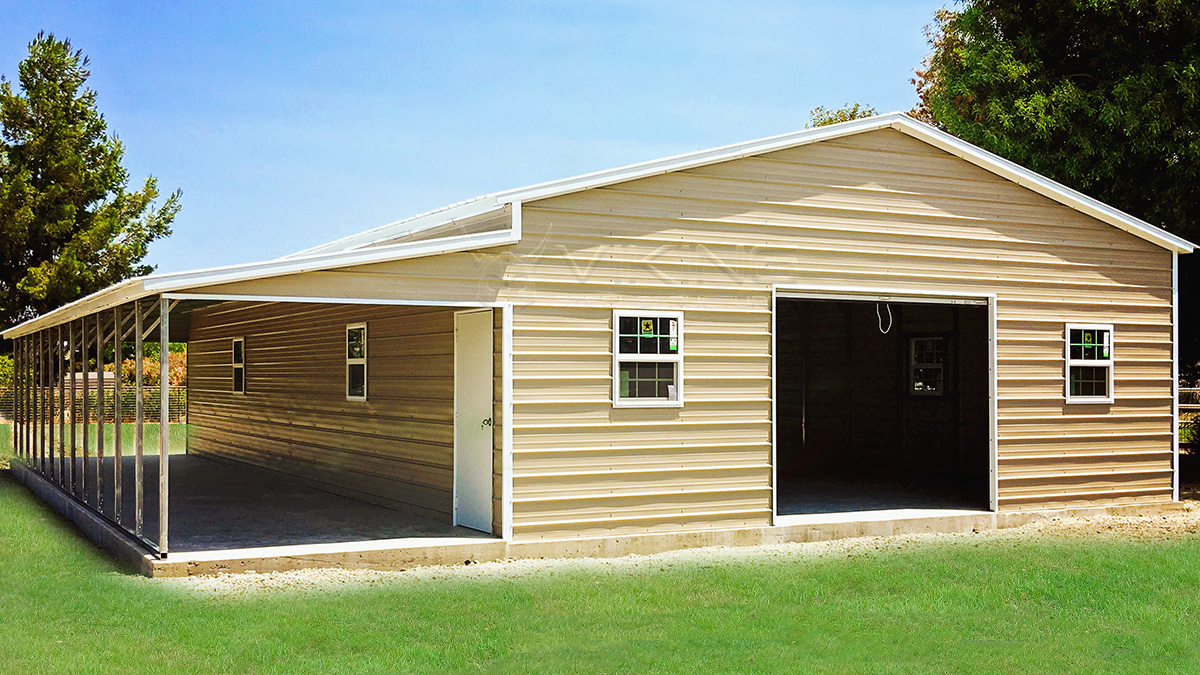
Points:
x=671 y=391
x=674 y=329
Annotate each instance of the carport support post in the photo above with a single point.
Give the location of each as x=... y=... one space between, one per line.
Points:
x=138 y=419
x=71 y=371
x=87 y=408
x=55 y=360
x=40 y=395
x=99 y=481
x=60 y=372
x=118 y=362
x=17 y=428
x=47 y=408
x=164 y=416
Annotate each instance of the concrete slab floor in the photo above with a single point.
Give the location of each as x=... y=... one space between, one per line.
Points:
x=841 y=495
x=217 y=505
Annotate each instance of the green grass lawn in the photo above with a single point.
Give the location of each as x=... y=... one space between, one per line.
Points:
x=176 y=435
x=975 y=605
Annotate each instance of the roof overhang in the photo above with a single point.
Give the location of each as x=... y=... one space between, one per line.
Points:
x=898 y=121
x=365 y=248
x=154 y=284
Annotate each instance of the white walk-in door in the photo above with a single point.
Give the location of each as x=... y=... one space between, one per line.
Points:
x=473 y=419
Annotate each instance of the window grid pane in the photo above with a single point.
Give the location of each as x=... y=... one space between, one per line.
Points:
x=647 y=380
x=1089 y=381
x=928 y=364
x=648 y=335
x=356 y=379
x=1090 y=344
x=356 y=343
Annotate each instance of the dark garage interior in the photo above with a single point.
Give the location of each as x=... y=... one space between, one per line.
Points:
x=881 y=405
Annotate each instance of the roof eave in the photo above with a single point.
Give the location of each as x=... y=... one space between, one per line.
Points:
x=896 y=120
x=133 y=289
x=1041 y=184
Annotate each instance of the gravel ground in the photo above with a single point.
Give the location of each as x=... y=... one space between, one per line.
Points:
x=335 y=581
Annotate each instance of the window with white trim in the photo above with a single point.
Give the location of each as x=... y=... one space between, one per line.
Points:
x=926 y=366
x=647 y=359
x=1089 y=363
x=239 y=365
x=356 y=362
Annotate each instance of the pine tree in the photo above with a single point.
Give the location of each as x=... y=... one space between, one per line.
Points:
x=69 y=225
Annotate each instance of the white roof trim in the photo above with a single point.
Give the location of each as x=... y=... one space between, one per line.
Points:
x=1042 y=185
x=133 y=289
x=352 y=250
x=897 y=120
x=471 y=207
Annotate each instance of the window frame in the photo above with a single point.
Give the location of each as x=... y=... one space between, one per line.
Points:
x=356 y=361
x=235 y=366
x=912 y=365
x=618 y=358
x=1109 y=363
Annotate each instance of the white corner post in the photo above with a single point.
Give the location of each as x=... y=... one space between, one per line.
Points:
x=164 y=415
x=1175 y=376
x=506 y=422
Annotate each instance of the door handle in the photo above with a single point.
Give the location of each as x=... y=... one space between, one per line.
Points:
x=486 y=423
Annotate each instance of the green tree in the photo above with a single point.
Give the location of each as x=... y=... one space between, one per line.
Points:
x=822 y=116
x=1101 y=95
x=69 y=225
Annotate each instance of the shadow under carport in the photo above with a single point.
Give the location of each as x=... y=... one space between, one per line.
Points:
x=216 y=506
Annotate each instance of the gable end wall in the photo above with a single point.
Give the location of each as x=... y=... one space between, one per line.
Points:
x=879 y=209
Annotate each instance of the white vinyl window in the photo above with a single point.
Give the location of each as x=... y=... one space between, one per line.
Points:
x=647 y=359
x=356 y=362
x=239 y=365
x=926 y=366
x=1089 y=352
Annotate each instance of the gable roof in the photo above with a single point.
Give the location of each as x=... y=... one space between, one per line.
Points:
x=372 y=246
x=898 y=121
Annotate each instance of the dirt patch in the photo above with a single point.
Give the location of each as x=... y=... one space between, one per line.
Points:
x=1142 y=528
x=1157 y=527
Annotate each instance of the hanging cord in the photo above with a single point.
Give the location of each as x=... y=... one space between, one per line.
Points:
x=879 y=316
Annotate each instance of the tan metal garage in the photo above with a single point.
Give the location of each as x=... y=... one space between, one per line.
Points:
x=692 y=345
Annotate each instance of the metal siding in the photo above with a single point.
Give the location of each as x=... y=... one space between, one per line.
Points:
x=879 y=209
x=396 y=448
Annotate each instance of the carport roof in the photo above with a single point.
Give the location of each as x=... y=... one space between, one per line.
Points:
x=372 y=247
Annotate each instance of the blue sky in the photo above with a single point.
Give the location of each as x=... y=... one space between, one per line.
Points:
x=290 y=124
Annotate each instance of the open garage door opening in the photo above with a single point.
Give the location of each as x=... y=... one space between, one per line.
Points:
x=881 y=405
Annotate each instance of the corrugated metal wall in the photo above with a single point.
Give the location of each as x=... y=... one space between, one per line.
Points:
x=396 y=448
x=879 y=209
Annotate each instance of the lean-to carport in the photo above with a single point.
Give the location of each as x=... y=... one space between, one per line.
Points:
x=88 y=461
x=241 y=485
x=72 y=449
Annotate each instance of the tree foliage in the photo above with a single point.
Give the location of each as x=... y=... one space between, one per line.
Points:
x=822 y=116
x=69 y=225
x=1101 y=95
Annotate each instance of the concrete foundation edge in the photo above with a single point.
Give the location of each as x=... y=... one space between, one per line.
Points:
x=104 y=534
x=404 y=556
